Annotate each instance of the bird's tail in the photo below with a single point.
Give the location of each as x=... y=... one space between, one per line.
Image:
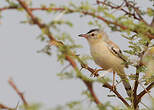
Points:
x=125 y=81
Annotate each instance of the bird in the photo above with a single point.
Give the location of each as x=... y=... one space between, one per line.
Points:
x=148 y=61
x=107 y=55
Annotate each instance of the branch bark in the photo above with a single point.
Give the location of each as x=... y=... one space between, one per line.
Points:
x=20 y=94
x=5 y=107
x=136 y=9
x=135 y=99
x=141 y=94
x=120 y=7
x=106 y=85
x=90 y=88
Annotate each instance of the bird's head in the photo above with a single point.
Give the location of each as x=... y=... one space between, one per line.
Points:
x=93 y=35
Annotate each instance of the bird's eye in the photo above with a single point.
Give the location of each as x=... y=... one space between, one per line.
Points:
x=92 y=34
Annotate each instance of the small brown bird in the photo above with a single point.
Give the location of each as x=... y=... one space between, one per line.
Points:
x=107 y=54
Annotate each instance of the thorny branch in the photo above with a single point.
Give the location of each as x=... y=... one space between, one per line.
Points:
x=10 y=81
x=32 y=9
x=90 y=88
x=75 y=11
x=136 y=83
x=136 y=10
x=68 y=58
x=106 y=85
x=135 y=99
x=141 y=94
x=5 y=107
x=120 y=7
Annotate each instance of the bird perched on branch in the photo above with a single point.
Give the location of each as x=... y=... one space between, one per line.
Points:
x=107 y=55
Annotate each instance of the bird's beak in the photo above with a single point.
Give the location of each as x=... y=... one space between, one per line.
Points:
x=83 y=35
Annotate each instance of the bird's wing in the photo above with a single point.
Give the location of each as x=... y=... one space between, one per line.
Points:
x=115 y=50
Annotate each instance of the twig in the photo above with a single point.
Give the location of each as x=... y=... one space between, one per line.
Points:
x=90 y=88
x=145 y=106
x=140 y=95
x=36 y=21
x=70 y=10
x=20 y=94
x=135 y=98
x=136 y=9
x=145 y=89
x=135 y=88
x=119 y=8
x=107 y=85
x=5 y=107
x=32 y=9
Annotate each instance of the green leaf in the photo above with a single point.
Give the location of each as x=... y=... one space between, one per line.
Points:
x=66 y=75
x=72 y=104
x=46 y=50
x=150 y=11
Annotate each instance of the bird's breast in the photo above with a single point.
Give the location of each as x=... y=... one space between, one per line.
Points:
x=103 y=57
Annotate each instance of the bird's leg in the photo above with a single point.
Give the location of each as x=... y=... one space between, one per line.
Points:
x=113 y=84
x=95 y=73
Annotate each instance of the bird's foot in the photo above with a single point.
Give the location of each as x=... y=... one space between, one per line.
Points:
x=95 y=73
x=84 y=66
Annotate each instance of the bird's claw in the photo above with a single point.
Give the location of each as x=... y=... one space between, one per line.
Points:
x=83 y=66
x=95 y=73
